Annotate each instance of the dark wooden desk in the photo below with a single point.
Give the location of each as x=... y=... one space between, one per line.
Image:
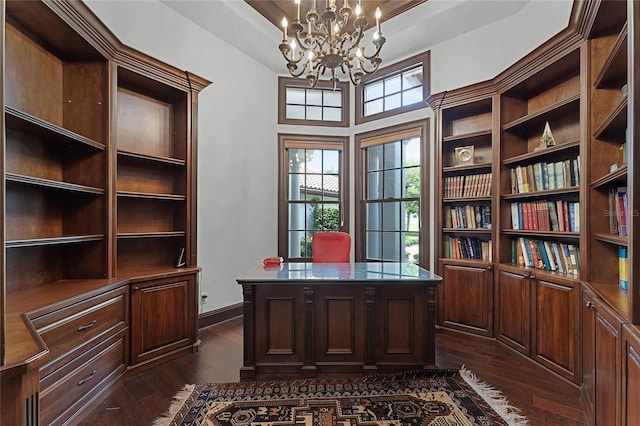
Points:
x=306 y=319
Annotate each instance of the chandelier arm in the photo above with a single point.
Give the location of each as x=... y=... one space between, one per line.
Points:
x=302 y=70
x=301 y=43
x=292 y=60
x=374 y=54
x=376 y=65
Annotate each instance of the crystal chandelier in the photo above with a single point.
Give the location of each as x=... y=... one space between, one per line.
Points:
x=326 y=45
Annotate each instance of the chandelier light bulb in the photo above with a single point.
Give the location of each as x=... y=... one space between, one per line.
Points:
x=358 y=10
x=285 y=24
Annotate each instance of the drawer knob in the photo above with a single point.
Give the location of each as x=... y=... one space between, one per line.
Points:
x=85 y=327
x=589 y=304
x=86 y=379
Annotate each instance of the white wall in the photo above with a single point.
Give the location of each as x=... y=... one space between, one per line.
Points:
x=237 y=175
x=237 y=193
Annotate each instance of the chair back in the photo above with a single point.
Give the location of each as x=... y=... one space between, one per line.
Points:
x=331 y=247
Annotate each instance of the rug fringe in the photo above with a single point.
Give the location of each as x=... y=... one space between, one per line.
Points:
x=177 y=403
x=494 y=398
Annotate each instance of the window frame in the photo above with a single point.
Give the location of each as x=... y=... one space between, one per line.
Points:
x=383 y=73
x=385 y=135
x=313 y=142
x=289 y=82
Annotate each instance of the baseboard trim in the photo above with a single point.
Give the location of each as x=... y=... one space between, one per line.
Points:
x=219 y=315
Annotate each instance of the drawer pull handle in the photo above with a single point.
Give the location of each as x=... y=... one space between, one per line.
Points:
x=83 y=381
x=84 y=327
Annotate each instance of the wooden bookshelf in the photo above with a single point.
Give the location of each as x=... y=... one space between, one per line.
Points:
x=100 y=186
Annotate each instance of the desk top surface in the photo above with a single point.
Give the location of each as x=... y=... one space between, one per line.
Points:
x=369 y=272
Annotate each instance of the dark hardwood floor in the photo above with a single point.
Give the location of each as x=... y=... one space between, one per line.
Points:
x=139 y=399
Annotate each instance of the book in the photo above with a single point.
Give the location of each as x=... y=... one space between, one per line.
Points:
x=551 y=175
x=558 y=258
x=550 y=256
x=446 y=213
x=623 y=268
x=545 y=176
x=515 y=221
x=537 y=175
x=559 y=174
x=553 y=215
x=520 y=180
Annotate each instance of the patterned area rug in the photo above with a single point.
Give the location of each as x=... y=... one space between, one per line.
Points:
x=437 y=398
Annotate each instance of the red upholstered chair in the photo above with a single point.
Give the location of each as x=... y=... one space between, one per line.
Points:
x=331 y=247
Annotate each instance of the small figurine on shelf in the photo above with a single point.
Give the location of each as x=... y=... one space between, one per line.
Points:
x=546 y=140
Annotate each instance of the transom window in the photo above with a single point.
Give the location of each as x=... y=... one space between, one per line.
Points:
x=395 y=89
x=313 y=104
x=318 y=106
x=312 y=195
x=398 y=90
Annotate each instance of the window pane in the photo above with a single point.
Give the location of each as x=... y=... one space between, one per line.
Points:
x=393 y=102
x=295 y=96
x=331 y=161
x=299 y=245
x=314 y=113
x=330 y=218
x=412 y=96
x=314 y=97
x=411 y=246
x=412 y=78
x=391 y=246
x=331 y=187
x=296 y=216
x=295 y=112
x=411 y=152
x=392 y=183
x=411 y=182
x=333 y=98
x=392 y=85
x=374 y=242
x=295 y=192
x=297 y=160
x=374 y=186
x=392 y=155
x=391 y=216
x=374 y=213
x=312 y=186
x=409 y=211
x=332 y=114
x=373 y=107
x=374 y=157
x=373 y=90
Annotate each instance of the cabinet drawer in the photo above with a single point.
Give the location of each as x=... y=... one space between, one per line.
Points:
x=88 y=375
x=69 y=330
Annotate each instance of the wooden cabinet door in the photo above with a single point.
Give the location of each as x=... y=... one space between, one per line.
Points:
x=607 y=329
x=466 y=298
x=513 y=310
x=588 y=351
x=556 y=325
x=631 y=375
x=163 y=317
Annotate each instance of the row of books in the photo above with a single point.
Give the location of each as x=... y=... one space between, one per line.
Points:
x=467 y=248
x=543 y=215
x=545 y=176
x=618 y=210
x=478 y=185
x=467 y=217
x=551 y=256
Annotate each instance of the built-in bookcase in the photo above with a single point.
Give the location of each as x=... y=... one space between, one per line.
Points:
x=55 y=154
x=608 y=223
x=152 y=173
x=540 y=183
x=467 y=183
